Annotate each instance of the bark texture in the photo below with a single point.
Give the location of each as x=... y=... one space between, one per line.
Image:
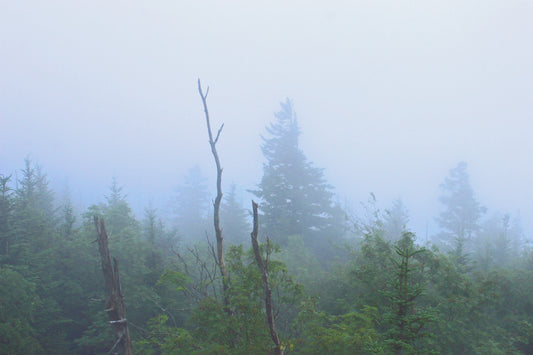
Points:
x=115 y=308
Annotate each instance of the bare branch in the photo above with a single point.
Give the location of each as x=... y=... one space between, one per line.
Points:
x=218 y=133
x=218 y=199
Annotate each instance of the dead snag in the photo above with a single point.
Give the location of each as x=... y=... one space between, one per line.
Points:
x=266 y=285
x=218 y=199
x=115 y=308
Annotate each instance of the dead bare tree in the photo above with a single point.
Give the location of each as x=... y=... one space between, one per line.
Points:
x=115 y=308
x=218 y=199
x=263 y=269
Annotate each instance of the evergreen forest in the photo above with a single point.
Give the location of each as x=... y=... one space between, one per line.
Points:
x=295 y=273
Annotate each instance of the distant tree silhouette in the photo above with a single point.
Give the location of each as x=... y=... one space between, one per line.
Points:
x=460 y=218
x=295 y=197
x=192 y=206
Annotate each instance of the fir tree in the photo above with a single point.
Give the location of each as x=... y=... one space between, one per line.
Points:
x=34 y=220
x=295 y=198
x=119 y=218
x=460 y=218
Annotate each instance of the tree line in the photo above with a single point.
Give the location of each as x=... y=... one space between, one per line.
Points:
x=299 y=275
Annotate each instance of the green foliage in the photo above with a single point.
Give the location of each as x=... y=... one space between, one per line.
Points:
x=97 y=337
x=370 y=272
x=404 y=320
x=302 y=264
x=241 y=329
x=237 y=327
x=165 y=339
x=524 y=339
x=6 y=210
x=295 y=198
x=33 y=218
x=350 y=333
x=18 y=303
x=389 y=296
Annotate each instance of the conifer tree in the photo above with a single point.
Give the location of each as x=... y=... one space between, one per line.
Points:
x=118 y=213
x=295 y=197
x=462 y=212
x=34 y=216
x=404 y=319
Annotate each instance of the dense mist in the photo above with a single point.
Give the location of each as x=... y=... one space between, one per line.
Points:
x=380 y=139
x=389 y=95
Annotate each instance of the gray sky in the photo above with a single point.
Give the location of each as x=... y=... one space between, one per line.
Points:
x=390 y=95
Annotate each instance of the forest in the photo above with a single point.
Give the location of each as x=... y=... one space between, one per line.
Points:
x=294 y=273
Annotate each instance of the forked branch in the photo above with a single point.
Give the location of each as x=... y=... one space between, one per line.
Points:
x=218 y=199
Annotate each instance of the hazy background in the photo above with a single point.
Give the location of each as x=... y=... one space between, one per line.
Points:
x=390 y=95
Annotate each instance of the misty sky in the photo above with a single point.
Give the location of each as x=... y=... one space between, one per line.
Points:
x=389 y=95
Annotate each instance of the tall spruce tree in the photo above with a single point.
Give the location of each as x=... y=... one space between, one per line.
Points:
x=295 y=197
x=34 y=220
x=459 y=220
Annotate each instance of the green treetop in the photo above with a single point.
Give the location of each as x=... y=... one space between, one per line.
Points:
x=295 y=198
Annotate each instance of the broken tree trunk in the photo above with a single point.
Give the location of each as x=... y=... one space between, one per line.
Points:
x=115 y=308
x=263 y=269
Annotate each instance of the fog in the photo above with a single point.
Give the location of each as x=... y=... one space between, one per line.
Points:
x=390 y=95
